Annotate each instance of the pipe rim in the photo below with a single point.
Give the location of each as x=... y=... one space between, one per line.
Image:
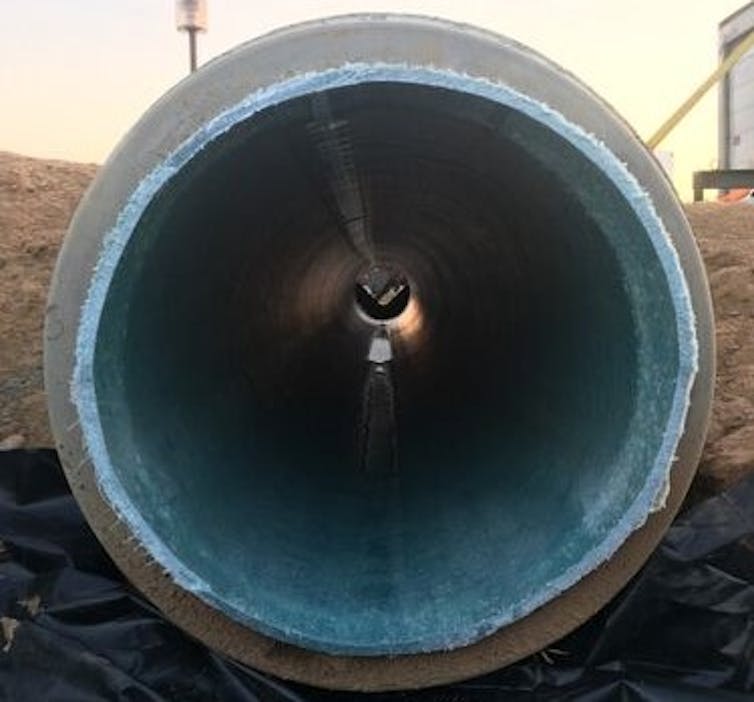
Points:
x=354 y=672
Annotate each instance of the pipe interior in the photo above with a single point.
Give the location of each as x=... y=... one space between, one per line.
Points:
x=355 y=485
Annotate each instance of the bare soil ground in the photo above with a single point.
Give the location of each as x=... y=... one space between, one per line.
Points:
x=37 y=199
x=725 y=234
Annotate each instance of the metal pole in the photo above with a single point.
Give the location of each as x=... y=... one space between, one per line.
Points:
x=720 y=72
x=192 y=48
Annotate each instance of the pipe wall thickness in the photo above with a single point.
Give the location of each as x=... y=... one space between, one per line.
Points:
x=385 y=339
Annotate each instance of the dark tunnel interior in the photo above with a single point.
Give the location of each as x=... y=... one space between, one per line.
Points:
x=370 y=352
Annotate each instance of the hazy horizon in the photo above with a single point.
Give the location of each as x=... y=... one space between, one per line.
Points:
x=77 y=75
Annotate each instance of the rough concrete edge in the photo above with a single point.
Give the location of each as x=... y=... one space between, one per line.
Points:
x=83 y=392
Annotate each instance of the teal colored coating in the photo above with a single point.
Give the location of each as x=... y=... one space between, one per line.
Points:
x=493 y=511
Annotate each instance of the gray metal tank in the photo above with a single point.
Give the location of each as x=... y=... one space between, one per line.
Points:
x=736 y=112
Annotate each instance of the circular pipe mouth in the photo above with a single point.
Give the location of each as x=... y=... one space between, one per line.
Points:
x=382 y=293
x=485 y=457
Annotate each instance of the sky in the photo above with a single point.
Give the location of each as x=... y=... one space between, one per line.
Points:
x=76 y=74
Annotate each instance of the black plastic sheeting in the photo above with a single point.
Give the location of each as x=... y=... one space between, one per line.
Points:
x=73 y=629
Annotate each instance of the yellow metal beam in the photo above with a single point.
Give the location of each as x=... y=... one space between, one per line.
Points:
x=720 y=72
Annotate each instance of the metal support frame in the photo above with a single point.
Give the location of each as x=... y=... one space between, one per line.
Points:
x=722 y=180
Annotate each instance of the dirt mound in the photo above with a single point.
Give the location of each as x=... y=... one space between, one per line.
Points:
x=37 y=199
x=726 y=238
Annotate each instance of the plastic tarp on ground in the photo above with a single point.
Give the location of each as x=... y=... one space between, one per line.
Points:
x=73 y=630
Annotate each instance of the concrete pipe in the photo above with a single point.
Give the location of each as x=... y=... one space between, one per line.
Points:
x=379 y=354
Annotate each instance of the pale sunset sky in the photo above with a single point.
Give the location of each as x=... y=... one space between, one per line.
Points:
x=76 y=74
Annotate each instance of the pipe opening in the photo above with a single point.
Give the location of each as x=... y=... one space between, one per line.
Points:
x=532 y=380
x=382 y=292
